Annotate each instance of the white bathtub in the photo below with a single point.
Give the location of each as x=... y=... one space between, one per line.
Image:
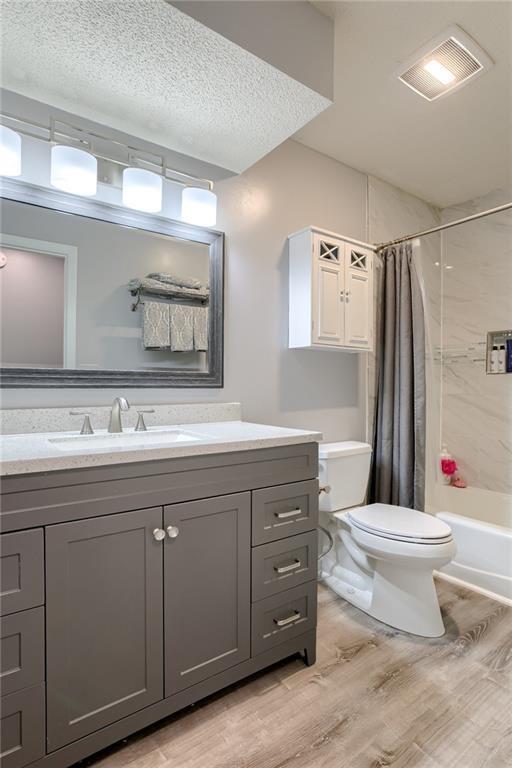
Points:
x=480 y=521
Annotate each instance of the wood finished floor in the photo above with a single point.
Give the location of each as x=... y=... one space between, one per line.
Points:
x=376 y=697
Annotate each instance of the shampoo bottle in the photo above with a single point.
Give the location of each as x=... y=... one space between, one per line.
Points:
x=502 y=359
x=494 y=359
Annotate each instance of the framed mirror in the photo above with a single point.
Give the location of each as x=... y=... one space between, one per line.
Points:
x=94 y=295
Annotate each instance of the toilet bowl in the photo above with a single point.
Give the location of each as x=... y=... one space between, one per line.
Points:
x=384 y=555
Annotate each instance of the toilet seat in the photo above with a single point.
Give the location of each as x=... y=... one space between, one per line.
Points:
x=400 y=524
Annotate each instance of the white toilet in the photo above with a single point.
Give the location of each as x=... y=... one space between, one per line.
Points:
x=383 y=557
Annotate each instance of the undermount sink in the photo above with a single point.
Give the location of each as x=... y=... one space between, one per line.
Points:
x=126 y=439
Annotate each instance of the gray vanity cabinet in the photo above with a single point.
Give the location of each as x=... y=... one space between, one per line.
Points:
x=103 y=621
x=207 y=588
x=147 y=587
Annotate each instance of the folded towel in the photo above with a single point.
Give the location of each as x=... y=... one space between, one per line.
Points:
x=201 y=329
x=156 y=332
x=166 y=289
x=184 y=282
x=182 y=327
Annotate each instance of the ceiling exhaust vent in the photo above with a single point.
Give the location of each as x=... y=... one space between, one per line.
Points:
x=444 y=64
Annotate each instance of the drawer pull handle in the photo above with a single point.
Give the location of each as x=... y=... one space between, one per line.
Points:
x=287 y=568
x=291 y=513
x=283 y=622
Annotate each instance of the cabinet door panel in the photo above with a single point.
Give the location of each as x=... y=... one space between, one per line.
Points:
x=358 y=309
x=329 y=315
x=104 y=621
x=207 y=589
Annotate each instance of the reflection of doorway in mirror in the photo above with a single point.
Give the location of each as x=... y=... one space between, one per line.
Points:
x=38 y=287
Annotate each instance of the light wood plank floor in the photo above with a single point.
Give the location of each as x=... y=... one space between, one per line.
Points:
x=376 y=697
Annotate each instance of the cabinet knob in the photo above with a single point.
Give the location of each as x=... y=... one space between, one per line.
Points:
x=173 y=531
x=159 y=534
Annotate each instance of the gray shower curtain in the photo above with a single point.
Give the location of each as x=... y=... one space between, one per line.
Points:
x=398 y=470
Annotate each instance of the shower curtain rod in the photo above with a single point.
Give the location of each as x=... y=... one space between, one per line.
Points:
x=455 y=223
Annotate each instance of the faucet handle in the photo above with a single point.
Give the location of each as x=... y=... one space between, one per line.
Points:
x=86 y=426
x=141 y=424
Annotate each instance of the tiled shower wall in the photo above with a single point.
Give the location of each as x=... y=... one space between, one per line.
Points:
x=476 y=275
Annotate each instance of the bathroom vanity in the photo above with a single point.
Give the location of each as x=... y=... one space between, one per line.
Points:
x=137 y=582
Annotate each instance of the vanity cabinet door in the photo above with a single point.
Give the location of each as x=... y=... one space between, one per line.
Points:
x=207 y=588
x=104 y=621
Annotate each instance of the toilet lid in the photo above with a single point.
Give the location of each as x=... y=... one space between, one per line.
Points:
x=400 y=523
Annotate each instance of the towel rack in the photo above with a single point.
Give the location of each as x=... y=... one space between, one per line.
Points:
x=178 y=298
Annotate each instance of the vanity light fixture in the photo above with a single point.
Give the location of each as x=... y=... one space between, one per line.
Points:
x=10 y=152
x=199 y=206
x=142 y=190
x=73 y=170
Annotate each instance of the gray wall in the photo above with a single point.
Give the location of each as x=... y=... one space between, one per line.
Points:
x=32 y=309
x=289 y=189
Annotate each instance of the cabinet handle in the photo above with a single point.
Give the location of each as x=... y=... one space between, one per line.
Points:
x=291 y=513
x=283 y=622
x=287 y=568
x=159 y=534
x=172 y=531
x=342 y=294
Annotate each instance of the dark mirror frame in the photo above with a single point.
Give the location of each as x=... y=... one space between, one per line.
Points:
x=94 y=209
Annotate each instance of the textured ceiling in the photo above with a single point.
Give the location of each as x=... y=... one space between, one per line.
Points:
x=445 y=152
x=145 y=68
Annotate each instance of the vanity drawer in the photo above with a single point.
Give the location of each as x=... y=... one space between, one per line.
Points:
x=22 y=727
x=284 y=564
x=283 y=616
x=22 y=571
x=21 y=650
x=284 y=510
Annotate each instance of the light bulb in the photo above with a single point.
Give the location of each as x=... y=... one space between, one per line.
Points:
x=439 y=71
x=10 y=152
x=199 y=206
x=142 y=190
x=73 y=170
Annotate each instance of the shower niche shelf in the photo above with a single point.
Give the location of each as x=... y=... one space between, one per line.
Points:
x=499 y=352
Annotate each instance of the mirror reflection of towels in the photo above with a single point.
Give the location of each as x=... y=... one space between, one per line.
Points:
x=182 y=327
x=155 y=326
x=201 y=329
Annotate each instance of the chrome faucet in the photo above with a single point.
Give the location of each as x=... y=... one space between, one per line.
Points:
x=119 y=404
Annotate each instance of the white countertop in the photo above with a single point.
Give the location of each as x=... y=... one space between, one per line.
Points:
x=22 y=454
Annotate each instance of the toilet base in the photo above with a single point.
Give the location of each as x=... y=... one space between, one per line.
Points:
x=414 y=609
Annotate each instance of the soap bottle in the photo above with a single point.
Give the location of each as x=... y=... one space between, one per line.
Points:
x=447 y=464
x=502 y=359
x=494 y=359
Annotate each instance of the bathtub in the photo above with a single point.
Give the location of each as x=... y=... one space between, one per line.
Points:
x=481 y=522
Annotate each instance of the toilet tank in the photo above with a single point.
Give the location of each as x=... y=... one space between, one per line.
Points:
x=344 y=468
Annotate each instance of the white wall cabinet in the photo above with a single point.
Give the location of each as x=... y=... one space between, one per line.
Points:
x=331 y=292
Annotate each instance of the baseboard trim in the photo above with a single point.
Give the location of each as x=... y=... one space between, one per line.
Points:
x=473 y=588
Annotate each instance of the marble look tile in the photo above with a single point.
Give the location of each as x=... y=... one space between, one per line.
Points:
x=394 y=212
x=477 y=408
